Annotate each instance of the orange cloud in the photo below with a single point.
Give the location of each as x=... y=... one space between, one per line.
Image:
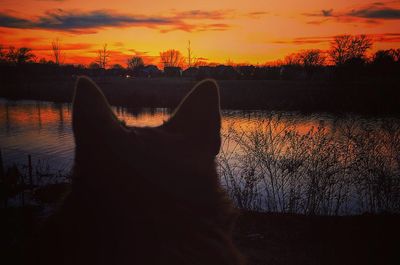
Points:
x=385 y=37
x=64 y=47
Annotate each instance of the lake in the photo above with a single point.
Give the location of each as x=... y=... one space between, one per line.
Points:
x=43 y=129
x=275 y=161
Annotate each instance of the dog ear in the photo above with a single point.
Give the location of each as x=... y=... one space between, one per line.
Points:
x=198 y=117
x=93 y=121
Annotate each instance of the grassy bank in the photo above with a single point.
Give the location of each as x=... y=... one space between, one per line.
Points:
x=305 y=96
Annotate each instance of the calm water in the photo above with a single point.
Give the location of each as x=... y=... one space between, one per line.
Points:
x=43 y=129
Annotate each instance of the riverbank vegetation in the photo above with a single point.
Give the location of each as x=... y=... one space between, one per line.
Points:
x=347 y=167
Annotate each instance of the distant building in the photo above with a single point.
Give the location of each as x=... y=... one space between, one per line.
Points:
x=246 y=71
x=218 y=72
x=226 y=72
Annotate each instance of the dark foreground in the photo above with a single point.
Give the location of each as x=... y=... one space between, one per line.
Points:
x=296 y=239
x=266 y=238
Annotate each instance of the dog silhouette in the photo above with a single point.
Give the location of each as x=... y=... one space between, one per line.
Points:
x=143 y=195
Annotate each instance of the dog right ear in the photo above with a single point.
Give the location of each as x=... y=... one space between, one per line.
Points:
x=198 y=117
x=93 y=121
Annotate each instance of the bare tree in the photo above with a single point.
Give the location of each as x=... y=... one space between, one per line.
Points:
x=56 y=47
x=386 y=56
x=311 y=58
x=396 y=55
x=292 y=59
x=135 y=63
x=347 y=47
x=3 y=56
x=103 y=57
x=20 y=56
x=172 y=58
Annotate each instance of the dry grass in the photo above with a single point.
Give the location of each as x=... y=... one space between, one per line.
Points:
x=350 y=168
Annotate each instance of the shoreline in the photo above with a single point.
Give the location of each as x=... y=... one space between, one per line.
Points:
x=278 y=95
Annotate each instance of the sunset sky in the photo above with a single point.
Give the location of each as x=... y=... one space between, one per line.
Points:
x=239 y=31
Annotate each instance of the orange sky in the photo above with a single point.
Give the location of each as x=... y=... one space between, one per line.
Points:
x=240 y=31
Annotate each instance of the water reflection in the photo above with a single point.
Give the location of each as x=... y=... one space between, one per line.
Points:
x=314 y=164
x=44 y=128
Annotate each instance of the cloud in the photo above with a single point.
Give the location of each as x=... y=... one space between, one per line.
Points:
x=9 y=21
x=204 y=14
x=75 y=21
x=327 y=13
x=197 y=27
x=372 y=13
x=64 y=47
x=317 y=22
x=221 y=14
x=36 y=43
x=257 y=14
x=305 y=40
x=384 y=37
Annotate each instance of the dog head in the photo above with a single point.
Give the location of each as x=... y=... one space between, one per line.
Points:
x=118 y=164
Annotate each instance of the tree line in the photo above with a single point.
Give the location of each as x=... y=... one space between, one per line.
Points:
x=347 y=58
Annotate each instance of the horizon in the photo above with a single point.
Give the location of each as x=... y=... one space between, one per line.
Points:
x=219 y=33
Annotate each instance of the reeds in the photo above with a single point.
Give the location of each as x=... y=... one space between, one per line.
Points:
x=349 y=167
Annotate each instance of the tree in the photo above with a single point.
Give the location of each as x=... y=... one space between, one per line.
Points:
x=2 y=54
x=43 y=61
x=347 y=48
x=56 y=47
x=306 y=60
x=20 y=56
x=172 y=58
x=117 y=69
x=103 y=57
x=94 y=66
x=135 y=64
x=390 y=56
x=117 y=66
x=311 y=58
x=292 y=59
x=386 y=62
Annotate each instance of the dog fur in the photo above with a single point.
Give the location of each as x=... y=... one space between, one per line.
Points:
x=143 y=195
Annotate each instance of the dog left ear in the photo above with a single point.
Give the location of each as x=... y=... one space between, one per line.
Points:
x=198 y=117
x=93 y=121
